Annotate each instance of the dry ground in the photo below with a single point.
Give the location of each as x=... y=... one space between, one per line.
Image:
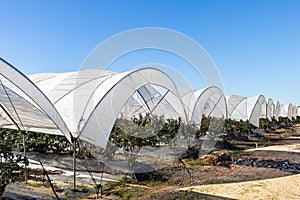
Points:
x=229 y=181
x=280 y=187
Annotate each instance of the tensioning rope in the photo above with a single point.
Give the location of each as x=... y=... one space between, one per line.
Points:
x=46 y=173
x=98 y=186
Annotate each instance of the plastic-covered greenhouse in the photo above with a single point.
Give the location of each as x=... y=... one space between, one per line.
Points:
x=206 y=102
x=25 y=107
x=86 y=103
x=90 y=101
x=277 y=110
x=270 y=109
x=287 y=111
x=247 y=109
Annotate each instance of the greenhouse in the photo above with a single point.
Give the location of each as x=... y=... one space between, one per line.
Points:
x=277 y=110
x=123 y=118
x=90 y=101
x=286 y=111
x=236 y=107
x=247 y=109
x=209 y=102
x=295 y=111
x=270 y=109
x=86 y=104
x=25 y=107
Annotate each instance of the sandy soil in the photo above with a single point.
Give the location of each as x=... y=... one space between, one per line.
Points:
x=209 y=181
x=277 y=188
x=287 y=187
x=284 y=148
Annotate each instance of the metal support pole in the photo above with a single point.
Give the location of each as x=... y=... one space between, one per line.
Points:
x=24 y=154
x=74 y=164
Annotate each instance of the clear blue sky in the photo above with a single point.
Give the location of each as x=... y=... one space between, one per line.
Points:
x=254 y=43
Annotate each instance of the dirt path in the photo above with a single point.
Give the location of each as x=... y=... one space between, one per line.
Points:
x=277 y=188
x=287 y=187
x=284 y=148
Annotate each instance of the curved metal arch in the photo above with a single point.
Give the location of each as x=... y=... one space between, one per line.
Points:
x=277 y=110
x=70 y=82
x=163 y=95
x=295 y=111
x=107 y=110
x=290 y=111
x=286 y=110
x=270 y=109
x=35 y=94
x=283 y=110
x=190 y=104
x=231 y=108
x=255 y=122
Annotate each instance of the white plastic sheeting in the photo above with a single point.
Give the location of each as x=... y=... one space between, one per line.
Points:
x=270 y=109
x=25 y=107
x=74 y=94
x=287 y=111
x=208 y=102
x=236 y=107
x=257 y=108
x=277 y=110
x=115 y=92
x=295 y=111
x=63 y=103
x=247 y=109
x=87 y=103
x=154 y=100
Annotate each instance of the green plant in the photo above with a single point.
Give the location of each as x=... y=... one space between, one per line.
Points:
x=43 y=143
x=284 y=120
x=265 y=123
x=10 y=169
x=236 y=128
x=169 y=131
x=36 y=142
x=124 y=189
x=84 y=188
x=132 y=135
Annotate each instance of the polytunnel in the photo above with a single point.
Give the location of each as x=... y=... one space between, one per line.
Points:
x=130 y=88
x=74 y=94
x=270 y=109
x=257 y=108
x=286 y=111
x=251 y=109
x=207 y=102
x=155 y=100
x=277 y=110
x=237 y=107
x=295 y=111
x=25 y=107
x=79 y=98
